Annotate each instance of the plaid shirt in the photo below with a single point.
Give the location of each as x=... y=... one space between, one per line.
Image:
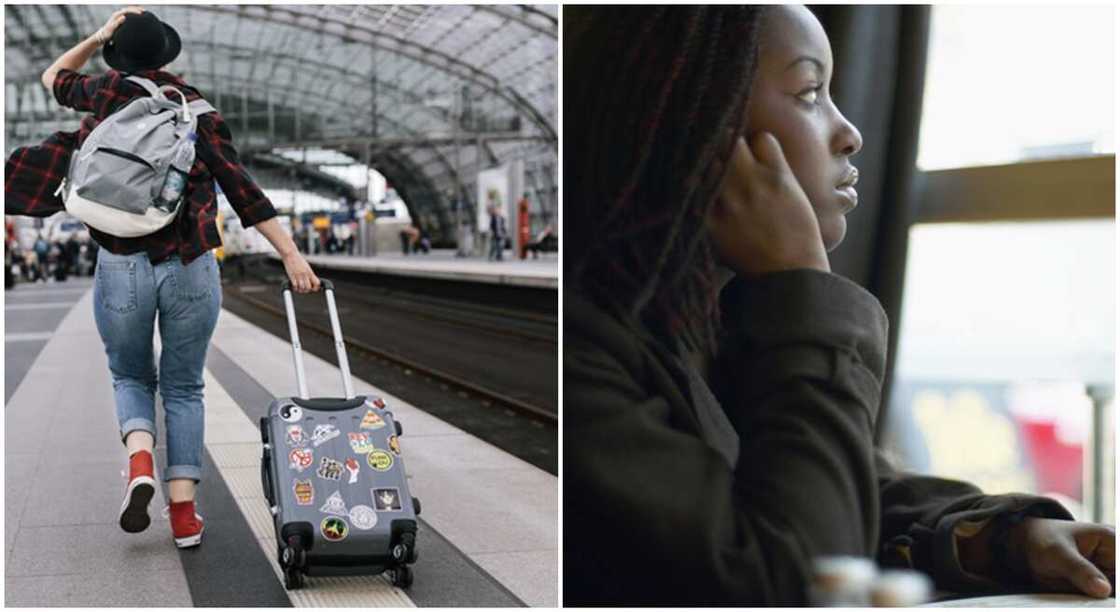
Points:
x=32 y=174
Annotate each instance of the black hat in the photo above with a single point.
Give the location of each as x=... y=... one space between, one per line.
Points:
x=142 y=42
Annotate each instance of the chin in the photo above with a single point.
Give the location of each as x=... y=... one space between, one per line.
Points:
x=833 y=231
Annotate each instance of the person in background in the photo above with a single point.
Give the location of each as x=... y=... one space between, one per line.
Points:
x=407 y=240
x=10 y=256
x=301 y=239
x=42 y=256
x=73 y=250
x=523 y=225
x=351 y=234
x=541 y=242
x=497 y=233
x=56 y=261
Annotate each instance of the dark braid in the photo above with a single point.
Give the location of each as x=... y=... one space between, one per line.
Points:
x=654 y=101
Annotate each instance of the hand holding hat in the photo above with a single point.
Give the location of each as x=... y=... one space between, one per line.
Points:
x=106 y=31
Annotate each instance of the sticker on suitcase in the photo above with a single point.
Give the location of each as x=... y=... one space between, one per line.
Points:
x=380 y=460
x=300 y=459
x=304 y=491
x=335 y=505
x=352 y=465
x=376 y=402
x=296 y=436
x=334 y=529
x=291 y=413
x=361 y=442
x=363 y=517
x=324 y=433
x=329 y=469
x=387 y=499
x=395 y=445
x=372 y=420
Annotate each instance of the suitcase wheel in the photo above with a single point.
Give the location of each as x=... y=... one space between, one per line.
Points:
x=416 y=505
x=401 y=576
x=405 y=551
x=397 y=427
x=292 y=558
x=293 y=579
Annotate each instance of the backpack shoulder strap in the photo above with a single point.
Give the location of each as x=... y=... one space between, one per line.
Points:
x=148 y=85
x=201 y=107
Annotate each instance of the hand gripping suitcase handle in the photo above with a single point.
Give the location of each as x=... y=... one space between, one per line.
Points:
x=336 y=329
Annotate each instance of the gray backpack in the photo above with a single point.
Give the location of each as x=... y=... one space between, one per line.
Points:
x=129 y=176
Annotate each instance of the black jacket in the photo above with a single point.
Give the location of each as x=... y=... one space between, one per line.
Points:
x=672 y=497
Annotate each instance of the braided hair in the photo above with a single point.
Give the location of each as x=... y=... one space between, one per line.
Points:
x=654 y=102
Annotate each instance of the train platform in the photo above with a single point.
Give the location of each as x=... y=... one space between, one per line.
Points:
x=442 y=264
x=488 y=532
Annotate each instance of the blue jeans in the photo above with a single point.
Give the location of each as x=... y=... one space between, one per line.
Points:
x=128 y=293
x=496 y=244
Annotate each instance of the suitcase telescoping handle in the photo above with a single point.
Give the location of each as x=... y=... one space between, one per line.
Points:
x=336 y=329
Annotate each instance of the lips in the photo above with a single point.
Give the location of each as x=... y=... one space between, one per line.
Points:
x=850 y=194
x=847 y=189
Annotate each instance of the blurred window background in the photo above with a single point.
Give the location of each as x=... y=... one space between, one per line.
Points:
x=1006 y=358
x=1009 y=83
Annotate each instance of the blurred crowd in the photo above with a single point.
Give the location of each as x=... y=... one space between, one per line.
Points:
x=48 y=260
x=338 y=238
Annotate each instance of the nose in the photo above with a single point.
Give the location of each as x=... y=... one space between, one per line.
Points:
x=848 y=139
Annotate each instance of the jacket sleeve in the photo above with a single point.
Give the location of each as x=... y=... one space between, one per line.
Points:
x=653 y=515
x=33 y=174
x=218 y=153
x=79 y=91
x=924 y=516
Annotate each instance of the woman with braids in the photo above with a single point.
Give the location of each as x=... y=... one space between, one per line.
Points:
x=719 y=435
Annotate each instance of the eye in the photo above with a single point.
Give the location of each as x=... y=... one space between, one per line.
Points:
x=810 y=95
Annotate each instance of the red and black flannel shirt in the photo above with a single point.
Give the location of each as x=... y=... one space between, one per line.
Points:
x=32 y=174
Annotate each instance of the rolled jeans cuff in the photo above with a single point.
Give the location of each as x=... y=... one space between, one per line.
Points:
x=137 y=424
x=182 y=472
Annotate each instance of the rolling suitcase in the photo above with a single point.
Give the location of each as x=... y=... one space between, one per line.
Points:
x=334 y=478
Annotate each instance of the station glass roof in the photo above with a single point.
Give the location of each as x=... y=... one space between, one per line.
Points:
x=427 y=94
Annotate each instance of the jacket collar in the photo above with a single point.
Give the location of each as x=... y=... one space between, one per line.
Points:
x=160 y=76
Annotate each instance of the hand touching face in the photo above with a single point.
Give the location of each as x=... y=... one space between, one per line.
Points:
x=790 y=99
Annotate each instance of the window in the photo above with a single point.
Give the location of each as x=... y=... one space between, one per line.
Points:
x=1009 y=83
x=1006 y=357
x=1006 y=330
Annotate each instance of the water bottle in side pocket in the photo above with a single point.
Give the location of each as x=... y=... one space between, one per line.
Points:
x=176 y=182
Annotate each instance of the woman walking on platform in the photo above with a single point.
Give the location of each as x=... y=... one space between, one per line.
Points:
x=171 y=272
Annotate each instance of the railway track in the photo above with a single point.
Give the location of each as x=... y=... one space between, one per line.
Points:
x=485 y=362
x=459 y=383
x=505 y=323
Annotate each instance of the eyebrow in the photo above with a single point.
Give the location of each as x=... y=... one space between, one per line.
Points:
x=806 y=58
